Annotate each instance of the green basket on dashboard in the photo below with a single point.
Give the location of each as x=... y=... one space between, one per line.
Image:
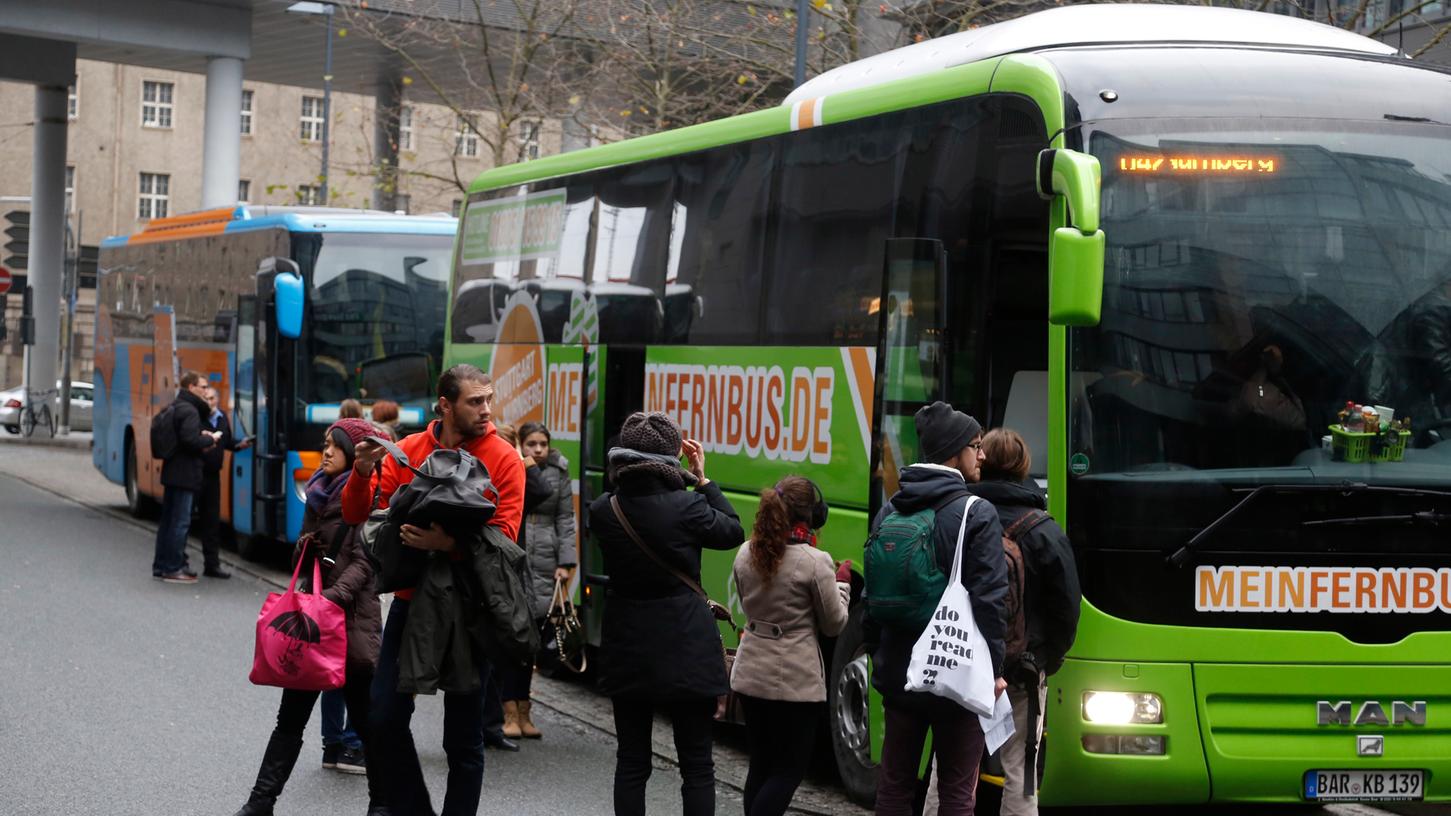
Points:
x=1354 y=447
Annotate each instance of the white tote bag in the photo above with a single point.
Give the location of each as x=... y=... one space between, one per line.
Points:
x=951 y=658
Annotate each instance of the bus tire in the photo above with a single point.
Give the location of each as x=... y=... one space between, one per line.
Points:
x=138 y=504
x=848 y=715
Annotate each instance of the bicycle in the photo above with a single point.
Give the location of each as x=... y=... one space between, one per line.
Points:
x=37 y=413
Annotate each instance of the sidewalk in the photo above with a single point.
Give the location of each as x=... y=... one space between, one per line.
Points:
x=79 y=440
x=69 y=474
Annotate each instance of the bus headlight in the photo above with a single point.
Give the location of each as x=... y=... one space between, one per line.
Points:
x=1122 y=708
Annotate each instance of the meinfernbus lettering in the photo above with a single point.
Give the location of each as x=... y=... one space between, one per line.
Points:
x=1322 y=589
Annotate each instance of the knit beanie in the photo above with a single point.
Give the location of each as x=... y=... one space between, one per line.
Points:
x=655 y=433
x=943 y=432
x=347 y=433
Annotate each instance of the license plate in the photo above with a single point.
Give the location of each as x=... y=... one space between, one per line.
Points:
x=1363 y=786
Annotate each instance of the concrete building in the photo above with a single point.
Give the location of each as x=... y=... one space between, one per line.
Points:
x=134 y=152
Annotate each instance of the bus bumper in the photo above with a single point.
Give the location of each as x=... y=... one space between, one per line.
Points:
x=1250 y=728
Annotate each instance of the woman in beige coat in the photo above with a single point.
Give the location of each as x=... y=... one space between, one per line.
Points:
x=790 y=594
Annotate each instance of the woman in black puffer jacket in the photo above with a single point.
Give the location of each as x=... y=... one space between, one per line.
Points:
x=661 y=646
x=348 y=582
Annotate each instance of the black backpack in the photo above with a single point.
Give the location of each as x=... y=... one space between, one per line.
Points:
x=164 y=439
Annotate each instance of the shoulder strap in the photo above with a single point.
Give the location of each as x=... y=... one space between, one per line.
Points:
x=660 y=562
x=1026 y=523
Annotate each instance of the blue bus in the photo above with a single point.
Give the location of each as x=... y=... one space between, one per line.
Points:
x=288 y=311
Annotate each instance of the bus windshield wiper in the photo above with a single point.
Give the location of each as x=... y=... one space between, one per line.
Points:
x=1429 y=518
x=1343 y=488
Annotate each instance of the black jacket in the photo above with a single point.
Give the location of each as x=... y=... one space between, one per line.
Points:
x=1051 y=594
x=660 y=641
x=984 y=569
x=183 y=469
x=213 y=456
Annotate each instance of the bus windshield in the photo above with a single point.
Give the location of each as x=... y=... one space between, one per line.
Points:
x=374 y=299
x=1259 y=275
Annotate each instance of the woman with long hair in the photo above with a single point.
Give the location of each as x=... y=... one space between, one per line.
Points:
x=548 y=539
x=347 y=582
x=660 y=647
x=791 y=596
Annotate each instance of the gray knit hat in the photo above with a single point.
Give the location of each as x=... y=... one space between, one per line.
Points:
x=648 y=447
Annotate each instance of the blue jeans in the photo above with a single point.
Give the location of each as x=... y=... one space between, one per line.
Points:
x=171 y=532
x=392 y=712
x=337 y=725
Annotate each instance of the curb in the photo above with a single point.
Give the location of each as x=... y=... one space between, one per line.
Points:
x=46 y=442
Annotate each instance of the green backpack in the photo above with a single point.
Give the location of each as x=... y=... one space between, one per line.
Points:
x=903 y=582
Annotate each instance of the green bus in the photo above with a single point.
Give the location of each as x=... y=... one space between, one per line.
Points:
x=1167 y=244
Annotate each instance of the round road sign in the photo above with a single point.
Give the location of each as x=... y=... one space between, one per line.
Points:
x=5 y=280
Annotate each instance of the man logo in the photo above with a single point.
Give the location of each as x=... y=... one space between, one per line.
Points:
x=1370 y=713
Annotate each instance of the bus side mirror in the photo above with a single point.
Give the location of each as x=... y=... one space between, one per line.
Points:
x=1075 y=252
x=288 y=295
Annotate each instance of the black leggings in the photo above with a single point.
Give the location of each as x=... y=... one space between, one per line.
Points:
x=296 y=710
x=781 y=736
x=692 y=721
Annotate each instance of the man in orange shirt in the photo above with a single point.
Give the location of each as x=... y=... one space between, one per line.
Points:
x=465 y=396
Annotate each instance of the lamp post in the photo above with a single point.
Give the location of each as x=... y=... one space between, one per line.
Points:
x=326 y=10
x=801 y=26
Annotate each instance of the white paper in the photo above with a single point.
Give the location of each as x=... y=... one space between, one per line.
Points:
x=997 y=728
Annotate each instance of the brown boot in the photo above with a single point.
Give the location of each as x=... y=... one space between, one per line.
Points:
x=526 y=725
x=511 y=719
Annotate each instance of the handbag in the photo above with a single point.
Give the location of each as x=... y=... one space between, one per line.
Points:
x=302 y=638
x=951 y=657
x=730 y=708
x=565 y=632
x=447 y=489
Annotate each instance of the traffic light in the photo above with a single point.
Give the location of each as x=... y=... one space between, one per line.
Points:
x=17 y=244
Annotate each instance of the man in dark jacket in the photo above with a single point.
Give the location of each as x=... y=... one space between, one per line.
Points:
x=209 y=501
x=951 y=446
x=181 y=480
x=1051 y=601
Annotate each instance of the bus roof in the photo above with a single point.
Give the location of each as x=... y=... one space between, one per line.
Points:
x=1098 y=24
x=245 y=218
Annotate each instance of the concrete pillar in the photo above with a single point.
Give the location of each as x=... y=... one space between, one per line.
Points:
x=387 y=103
x=47 y=236
x=222 y=137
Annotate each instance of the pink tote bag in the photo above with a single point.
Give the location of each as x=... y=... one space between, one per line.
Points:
x=302 y=638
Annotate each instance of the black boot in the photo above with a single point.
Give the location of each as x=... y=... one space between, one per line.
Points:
x=277 y=762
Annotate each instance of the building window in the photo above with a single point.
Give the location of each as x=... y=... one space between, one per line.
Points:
x=244 y=191
x=312 y=118
x=73 y=103
x=156 y=104
x=457 y=207
x=155 y=195
x=405 y=128
x=402 y=202
x=466 y=141
x=309 y=194
x=246 y=113
x=70 y=188
x=528 y=141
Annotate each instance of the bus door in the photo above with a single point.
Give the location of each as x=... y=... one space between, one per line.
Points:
x=244 y=412
x=911 y=348
x=269 y=450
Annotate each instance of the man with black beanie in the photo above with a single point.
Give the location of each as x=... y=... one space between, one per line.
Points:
x=951 y=446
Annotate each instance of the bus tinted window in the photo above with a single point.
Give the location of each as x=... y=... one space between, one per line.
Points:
x=715 y=276
x=631 y=244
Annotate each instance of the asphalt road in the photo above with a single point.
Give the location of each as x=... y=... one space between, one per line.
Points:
x=124 y=695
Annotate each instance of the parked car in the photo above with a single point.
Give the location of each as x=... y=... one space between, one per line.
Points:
x=11 y=402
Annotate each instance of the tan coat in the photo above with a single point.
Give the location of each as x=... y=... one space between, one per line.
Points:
x=779 y=657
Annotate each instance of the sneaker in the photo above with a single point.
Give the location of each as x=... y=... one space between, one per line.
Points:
x=330 y=754
x=179 y=577
x=351 y=761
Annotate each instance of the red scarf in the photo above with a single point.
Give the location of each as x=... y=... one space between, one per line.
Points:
x=801 y=534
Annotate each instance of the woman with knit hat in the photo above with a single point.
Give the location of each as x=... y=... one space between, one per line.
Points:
x=661 y=647
x=347 y=580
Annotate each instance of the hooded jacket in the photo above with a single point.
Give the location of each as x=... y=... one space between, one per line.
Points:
x=549 y=530
x=1051 y=594
x=984 y=569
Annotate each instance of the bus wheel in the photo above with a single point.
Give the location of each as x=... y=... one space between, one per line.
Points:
x=849 y=702
x=138 y=504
